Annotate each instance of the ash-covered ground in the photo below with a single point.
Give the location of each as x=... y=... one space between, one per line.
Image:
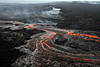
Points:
x=75 y=16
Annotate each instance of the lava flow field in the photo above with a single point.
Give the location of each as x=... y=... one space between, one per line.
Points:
x=77 y=45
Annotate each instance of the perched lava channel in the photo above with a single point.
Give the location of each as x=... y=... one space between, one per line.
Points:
x=45 y=44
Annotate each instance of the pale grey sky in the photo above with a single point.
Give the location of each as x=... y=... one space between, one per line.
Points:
x=36 y=1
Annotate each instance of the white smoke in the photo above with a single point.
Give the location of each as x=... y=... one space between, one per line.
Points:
x=28 y=13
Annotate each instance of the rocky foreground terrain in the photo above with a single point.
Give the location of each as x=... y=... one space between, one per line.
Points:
x=11 y=36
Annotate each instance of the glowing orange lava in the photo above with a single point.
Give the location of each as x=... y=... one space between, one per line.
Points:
x=49 y=49
x=95 y=38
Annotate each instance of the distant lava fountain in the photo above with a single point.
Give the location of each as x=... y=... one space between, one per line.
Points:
x=45 y=44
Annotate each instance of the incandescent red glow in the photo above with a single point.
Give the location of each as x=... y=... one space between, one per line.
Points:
x=96 y=38
x=30 y=26
x=78 y=34
x=45 y=44
x=50 y=6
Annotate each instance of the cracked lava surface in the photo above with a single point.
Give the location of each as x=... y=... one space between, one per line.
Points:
x=80 y=45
